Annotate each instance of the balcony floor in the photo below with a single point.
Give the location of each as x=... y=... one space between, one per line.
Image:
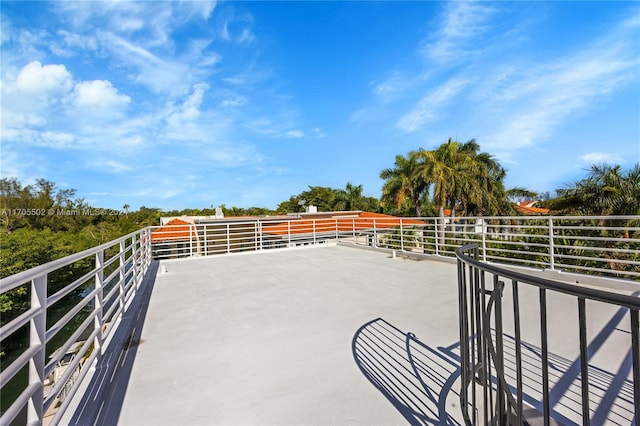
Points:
x=316 y=335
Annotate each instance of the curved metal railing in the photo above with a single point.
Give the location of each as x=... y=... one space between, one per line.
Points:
x=495 y=386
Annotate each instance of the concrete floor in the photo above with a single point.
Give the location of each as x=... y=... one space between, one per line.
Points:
x=307 y=336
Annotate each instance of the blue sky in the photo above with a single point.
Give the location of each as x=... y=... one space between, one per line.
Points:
x=197 y=104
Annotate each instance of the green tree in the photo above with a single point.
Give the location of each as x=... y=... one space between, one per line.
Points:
x=606 y=190
x=351 y=198
x=404 y=183
x=455 y=174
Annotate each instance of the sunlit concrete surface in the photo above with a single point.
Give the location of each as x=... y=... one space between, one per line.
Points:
x=321 y=335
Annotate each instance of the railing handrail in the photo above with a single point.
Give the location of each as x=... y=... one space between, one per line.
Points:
x=424 y=236
x=482 y=361
x=15 y=280
x=625 y=300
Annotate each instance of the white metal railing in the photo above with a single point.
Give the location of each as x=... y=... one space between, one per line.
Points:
x=96 y=286
x=601 y=245
x=94 y=289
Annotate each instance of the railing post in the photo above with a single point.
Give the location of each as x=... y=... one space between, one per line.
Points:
x=228 y=240
x=37 y=338
x=314 y=231
x=551 y=246
x=191 y=231
x=259 y=229
x=353 y=229
x=122 y=275
x=337 y=233
x=136 y=256
x=401 y=236
x=374 y=243
x=206 y=241
x=484 y=239
x=635 y=358
x=98 y=320
x=289 y=233
x=437 y=235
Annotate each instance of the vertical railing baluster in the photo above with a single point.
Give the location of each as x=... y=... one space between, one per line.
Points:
x=401 y=237
x=584 y=359
x=137 y=253
x=353 y=228
x=484 y=240
x=499 y=361
x=486 y=365
x=635 y=351
x=98 y=301
x=205 y=237
x=288 y=233
x=191 y=231
x=313 y=222
x=255 y=236
x=472 y=341
x=464 y=342
x=437 y=236
x=122 y=280
x=228 y=239
x=476 y=330
x=37 y=338
x=374 y=243
x=552 y=260
x=545 y=356
x=516 y=326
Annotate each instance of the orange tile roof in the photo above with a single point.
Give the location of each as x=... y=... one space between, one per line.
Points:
x=174 y=230
x=363 y=220
x=531 y=210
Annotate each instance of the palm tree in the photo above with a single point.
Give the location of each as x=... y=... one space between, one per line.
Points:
x=454 y=173
x=605 y=191
x=350 y=198
x=403 y=182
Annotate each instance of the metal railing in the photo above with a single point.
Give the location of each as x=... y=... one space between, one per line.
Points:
x=597 y=245
x=497 y=376
x=72 y=306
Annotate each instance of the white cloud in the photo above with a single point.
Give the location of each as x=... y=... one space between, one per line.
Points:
x=36 y=78
x=428 y=108
x=51 y=139
x=98 y=93
x=601 y=157
x=161 y=75
x=529 y=103
x=462 y=22
x=392 y=87
x=295 y=134
x=189 y=110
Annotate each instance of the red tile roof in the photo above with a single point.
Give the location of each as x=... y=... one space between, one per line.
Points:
x=339 y=222
x=174 y=230
x=526 y=207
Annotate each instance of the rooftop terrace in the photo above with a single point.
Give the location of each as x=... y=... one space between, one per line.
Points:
x=267 y=339
x=323 y=335
x=318 y=331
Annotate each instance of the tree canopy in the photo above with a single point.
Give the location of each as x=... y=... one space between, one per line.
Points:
x=606 y=190
x=454 y=176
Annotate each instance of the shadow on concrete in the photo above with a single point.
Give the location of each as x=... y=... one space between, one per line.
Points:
x=101 y=403
x=610 y=393
x=414 y=377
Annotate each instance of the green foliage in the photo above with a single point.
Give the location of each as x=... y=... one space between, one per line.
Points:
x=457 y=176
x=606 y=190
x=330 y=199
